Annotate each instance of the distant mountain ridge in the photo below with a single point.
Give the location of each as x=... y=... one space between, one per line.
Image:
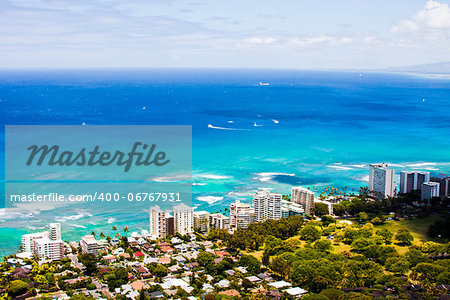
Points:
x=434 y=68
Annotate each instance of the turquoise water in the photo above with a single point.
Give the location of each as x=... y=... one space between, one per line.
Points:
x=312 y=129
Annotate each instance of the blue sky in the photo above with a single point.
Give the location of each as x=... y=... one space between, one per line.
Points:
x=314 y=34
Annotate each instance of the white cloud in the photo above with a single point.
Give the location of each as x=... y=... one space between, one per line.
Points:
x=259 y=40
x=433 y=16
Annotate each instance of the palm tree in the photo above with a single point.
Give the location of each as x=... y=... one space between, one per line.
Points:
x=102 y=235
x=114 y=228
x=117 y=235
x=93 y=233
x=125 y=229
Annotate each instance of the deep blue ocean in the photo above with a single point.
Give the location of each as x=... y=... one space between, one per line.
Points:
x=304 y=128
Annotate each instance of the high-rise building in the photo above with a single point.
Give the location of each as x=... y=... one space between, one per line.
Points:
x=54 y=230
x=157 y=223
x=28 y=240
x=235 y=209
x=89 y=245
x=267 y=205
x=47 y=244
x=244 y=217
x=429 y=190
x=170 y=224
x=46 y=248
x=410 y=181
x=219 y=221
x=444 y=185
x=304 y=197
x=291 y=209
x=183 y=218
x=201 y=221
x=381 y=181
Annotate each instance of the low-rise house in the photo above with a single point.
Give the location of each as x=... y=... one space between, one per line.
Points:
x=125 y=255
x=176 y=240
x=138 y=254
x=164 y=260
x=20 y=273
x=280 y=284
x=253 y=279
x=265 y=276
x=274 y=295
x=142 y=272
x=230 y=293
x=109 y=258
x=208 y=288
x=149 y=260
x=179 y=259
x=230 y=272
x=167 y=249
x=118 y=251
x=192 y=265
x=193 y=245
x=139 y=285
x=221 y=253
x=209 y=277
x=154 y=295
x=224 y=283
x=207 y=244
x=243 y=270
x=296 y=292
x=174 y=268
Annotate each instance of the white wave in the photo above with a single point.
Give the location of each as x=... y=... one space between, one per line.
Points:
x=111 y=220
x=36 y=227
x=396 y=165
x=360 y=166
x=364 y=178
x=34 y=207
x=223 y=128
x=230 y=122
x=211 y=176
x=237 y=194
x=71 y=217
x=77 y=225
x=423 y=164
x=268 y=176
x=198 y=183
x=257 y=125
x=209 y=199
x=174 y=178
x=275 y=121
x=338 y=167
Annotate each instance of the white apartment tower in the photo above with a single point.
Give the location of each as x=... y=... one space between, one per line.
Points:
x=201 y=221
x=429 y=190
x=28 y=240
x=89 y=245
x=267 y=205
x=47 y=244
x=304 y=197
x=410 y=181
x=54 y=230
x=49 y=249
x=219 y=221
x=157 y=222
x=183 y=218
x=244 y=217
x=381 y=181
x=238 y=208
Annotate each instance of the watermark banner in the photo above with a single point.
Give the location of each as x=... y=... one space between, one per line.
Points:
x=100 y=168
